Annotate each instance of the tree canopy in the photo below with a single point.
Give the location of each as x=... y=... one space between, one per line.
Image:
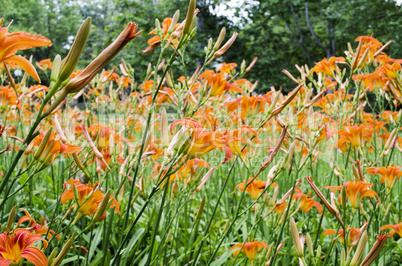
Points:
x=281 y=33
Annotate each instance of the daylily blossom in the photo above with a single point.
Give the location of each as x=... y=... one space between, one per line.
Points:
x=90 y=206
x=250 y=248
x=254 y=189
x=328 y=66
x=397 y=228
x=201 y=141
x=388 y=174
x=306 y=203
x=218 y=83
x=54 y=147
x=155 y=41
x=10 y=43
x=355 y=191
x=38 y=229
x=353 y=234
x=18 y=245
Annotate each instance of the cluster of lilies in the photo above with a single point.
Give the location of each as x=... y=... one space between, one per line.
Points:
x=326 y=146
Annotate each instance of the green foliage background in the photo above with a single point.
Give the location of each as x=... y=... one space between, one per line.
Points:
x=277 y=31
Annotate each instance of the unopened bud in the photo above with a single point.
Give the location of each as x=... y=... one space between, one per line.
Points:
x=64 y=251
x=43 y=144
x=164 y=128
x=344 y=198
x=50 y=259
x=243 y=66
x=388 y=209
x=174 y=21
x=201 y=209
x=189 y=17
x=105 y=203
x=343 y=257
x=83 y=78
x=310 y=245
x=296 y=239
x=220 y=39
x=359 y=249
x=226 y=46
x=70 y=61
x=157 y=26
x=10 y=220
x=56 y=68
x=361 y=62
x=76 y=195
x=251 y=65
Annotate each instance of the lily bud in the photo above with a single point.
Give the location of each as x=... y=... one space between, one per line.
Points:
x=201 y=209
x=204 y=180
x=330 y=207
x=43 y=144
x=10 y=220
x=56 y=68
x=52 y=255
x=251 y=65
x=106 y=202
x=64 y=251
x=310 y=245
x=365 y=54
x=220 y=39
x=344 y=198
x=360 y=249
x=164 y=128
x=70 y=61
x=82 y=79
x=157 y=26
x=343 y=258
x=189 y=17
x=226 y=46
x=375 y=250
x=296 y=239
x=76 y=195
x=174 y=21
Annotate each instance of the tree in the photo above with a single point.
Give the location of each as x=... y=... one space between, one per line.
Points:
x=289 y=32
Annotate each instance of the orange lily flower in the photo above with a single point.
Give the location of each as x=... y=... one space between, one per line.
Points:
x=250 y=248
x=254 y=189
x=18 y=245
x=371 y=81
x=38 y=229
x=280 y=208
x=105 y=133
x=218 y=83
x=10 y=43
x=201 y=141
x=90 y=206
x=124 y=81
x=328 y=66
x=45 y=64
x=54 y=147
x=306 y=203
x=390 y=71
x=227 y=68
x=354 y=234
x=388 y=174
x=190 y=168
x=7 y=97
x=155 y=41
x=397 y=228
x=355 y=135
x=353 y=190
